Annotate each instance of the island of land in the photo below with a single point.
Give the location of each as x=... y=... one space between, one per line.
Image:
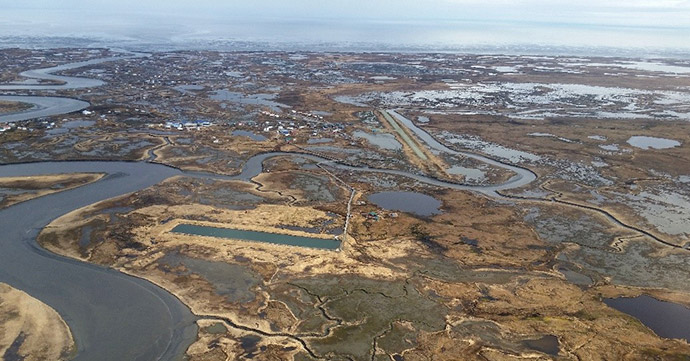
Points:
x=343 y=206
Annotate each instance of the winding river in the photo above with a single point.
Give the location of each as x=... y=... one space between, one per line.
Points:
x=114 y=316
x=523 y=176
x=44 y=106
x=41 y=107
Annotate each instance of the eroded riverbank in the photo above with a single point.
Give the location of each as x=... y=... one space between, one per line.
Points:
x=32 y=331
x=112 y=316
x=302 y=301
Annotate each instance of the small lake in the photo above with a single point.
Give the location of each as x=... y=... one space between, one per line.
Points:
x=249 y=99
x=73 y=124
x=331 y=149
x=285 y=239
x=232 y=281
x=575 y=277
x=188 y=88
x=547 y=344
x=643 y=142
x=252 y=135
x=472 y=175
x=351 y=100
x=411 y=202
x=319 y=140
x=666 y=319
x=381 y=140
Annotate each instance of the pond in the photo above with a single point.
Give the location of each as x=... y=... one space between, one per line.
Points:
x=411 y=202
x=252 y=135
x=643 y=142
x=232 y=281
x=188 y=88
x=319 y=140
x=381 y=140
x=255 y=236
x=472 y=175
x=547 y=344
x=666 y=319
x=73 y=124
x=249 y=99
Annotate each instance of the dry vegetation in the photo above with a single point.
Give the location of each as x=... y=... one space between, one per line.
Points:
x=480 y=281
x=12 y=107
x=483 y=274
x=26 y=188
x=30 y=330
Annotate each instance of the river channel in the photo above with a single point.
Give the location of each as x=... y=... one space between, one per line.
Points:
x=114 y=316
x=44 y=106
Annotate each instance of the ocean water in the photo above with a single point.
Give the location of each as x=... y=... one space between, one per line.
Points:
x=38 y=27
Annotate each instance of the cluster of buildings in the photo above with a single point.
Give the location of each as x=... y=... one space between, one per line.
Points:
x=288 y=125
x=307 y=114
x=188 y=125
x=294 y=122
x=12 y=126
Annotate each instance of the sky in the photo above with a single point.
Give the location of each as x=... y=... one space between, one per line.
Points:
x=598 y=23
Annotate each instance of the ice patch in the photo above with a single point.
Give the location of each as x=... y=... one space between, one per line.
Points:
x=644 y=142
x=610 y=147
x=493 y=149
